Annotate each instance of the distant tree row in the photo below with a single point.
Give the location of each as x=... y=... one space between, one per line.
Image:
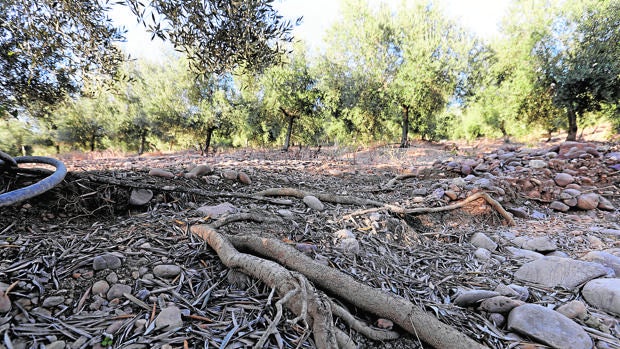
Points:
x=387 y=74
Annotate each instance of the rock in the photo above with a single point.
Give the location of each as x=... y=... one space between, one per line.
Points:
x=482 y=254
x=557 y=271
x=573 y=309
x=350 y=245
x=603 y=294
x=613 y=232
x=100 y=287
x=451 y=194
x=158 y=172
x=285 y=213
x=521 y=253
x=523 y=292
x=56 y=345
x=199 y=171
x=559 y=206
x=540 y=244
x=469 y=298
x=569 y=193
x=313 y=203
x=117 y=290
x=52 y=301
x=537 y=164
x=217 y=210
x=499 y=304
x=498 y=319
x=5 y=303
x=166 y=271
x=563 y=179
x=169 y=318
x=244 y=178
x=385 y=324
x=344 y=234
x=595 y=242
x=231 y=175
x=140 y=197
x=606 y=259
x=588 y=201
x=420 y=192
x=604 y=204
x=518 y=212
x=548 y=327
x=506 y=291
x=112 y=278
x=306 y=247
x=106 y=261
x=482 y=240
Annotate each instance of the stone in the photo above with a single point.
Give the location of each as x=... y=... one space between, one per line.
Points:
x=344 y=234
x=451 y=194
x=385 y=324
x=5 y=303
x=140 y=197
x=557 y=271
x=482 y=254
x=244 y=178
x=285 y=213
x=169 y=318
x=158 y=172
x=499 y=304
x=498 y=319
x=217 y=210
x=603 y=294
x=537 y=164
x=548 y=327
x=112 y=278
x=199 y=171
x=313 y=202
x=519 y=212
x=482 y=240
x=559 y=206
x=469 y=298
x=56 y=345
x=521 y=253
x=569 y=193
x=350 y=245
x=563 y=179
x=100 y=287
x=588 y=201
x=231 y=175
x=573 y=310
x=106 y=261
x=523 y=292
x=540 y=244
x=117 y=290
x=53 y=301
x=166 y=271
x=506 y=291
x=606 y=259
x=604 y=204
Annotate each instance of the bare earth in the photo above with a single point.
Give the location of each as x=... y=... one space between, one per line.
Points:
x=58 y=298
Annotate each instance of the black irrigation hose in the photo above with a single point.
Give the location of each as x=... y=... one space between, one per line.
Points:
x=38 y=188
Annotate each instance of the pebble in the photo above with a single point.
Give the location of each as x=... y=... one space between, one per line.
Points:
x=5 y=303
x=117 y=290
x=482 y=254
x=499 y=304
x=56 y=345
x=244 y=178
x=603 y=294
x=313 y=202
x=557 y=271
x=199 y=171
x=469 y=298
x=563 y=179
x=140 y=197
x=230 y=174
x=106 y=261
x=166 y=271
x=548 y=327
x=169 y=318
x=559 y=206
x=588 y=201
x=605 y=204
x=537 y=164
x=482 y=240
x=100 y=287
x=606 y=259
x=157 y=172
x=217 y=210
x=523 y=292
x=539 y=244
x=521 y=253
x=344 y=234
x=385 y=324
x=573 y=309
x=112 y=278
x=350 y=245
x=498 y=319
x=53 y=301
x=285 y=213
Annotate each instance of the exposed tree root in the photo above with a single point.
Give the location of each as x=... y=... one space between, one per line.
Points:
x=390 y=185
x=410 y=317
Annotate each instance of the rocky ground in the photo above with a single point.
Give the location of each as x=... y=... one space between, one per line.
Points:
x=107 y=259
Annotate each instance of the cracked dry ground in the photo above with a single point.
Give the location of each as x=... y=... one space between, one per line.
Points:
x=64 y=254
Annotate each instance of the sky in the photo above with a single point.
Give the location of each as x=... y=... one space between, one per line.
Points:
x=481 y=16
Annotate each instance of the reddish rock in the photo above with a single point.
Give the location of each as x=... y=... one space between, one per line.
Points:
x=559 y=206
x=574 y=150
x=244 y=178
x=588 y=201
x=230 y=174
x=563 y=179
x=605 y=204
x=158 y=172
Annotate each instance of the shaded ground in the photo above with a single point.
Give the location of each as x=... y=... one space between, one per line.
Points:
x=48 y=245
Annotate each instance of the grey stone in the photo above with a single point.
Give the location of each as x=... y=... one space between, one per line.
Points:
x=350 y=245
x=604 y=258
x=199 y=171
x=499 y=304
x=106 y=261
x=344 y=234
x=53 y=301
x=563 y=179
x=158 y=172
x=166 y=270
x=557 y=271
x=605 y=204
x=482 y=240
x=569 y=193
x=540 y=244
x=313 y=202
x=244 y=178
x=217 y=210
x=112 y=278
x=169 y=318
x=603 y=294
x=117 y=290
x=469 y=298
x=140 y=197
x=536 y=163
x=285 y=213
x=559 y=206
x=573 y=309
x=523 y=292
x=100 y=287
x=521 y=253
x=230 y=174
x=548 y=327
x=482 y=254
x=56 y=345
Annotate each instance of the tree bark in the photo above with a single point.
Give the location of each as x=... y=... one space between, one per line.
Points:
x=93 y=139
x=208 y=141
x=572 y=125
x=289 y=129
x=142 y=142
x=404 y=140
